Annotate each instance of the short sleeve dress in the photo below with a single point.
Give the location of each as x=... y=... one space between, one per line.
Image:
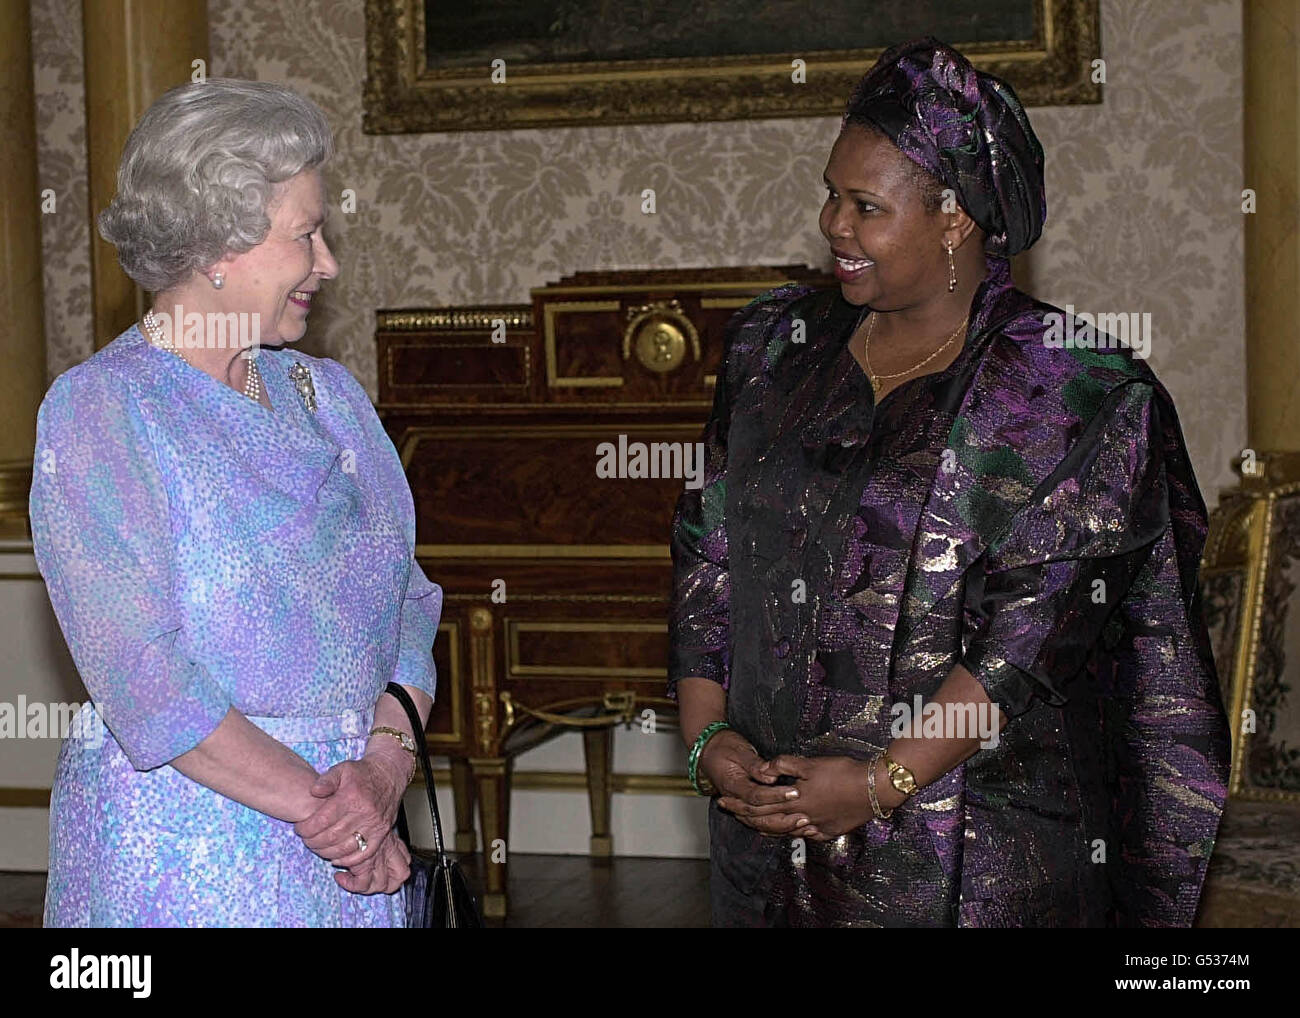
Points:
x=202 y=554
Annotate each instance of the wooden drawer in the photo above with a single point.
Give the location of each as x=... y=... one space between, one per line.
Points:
x=525 y=483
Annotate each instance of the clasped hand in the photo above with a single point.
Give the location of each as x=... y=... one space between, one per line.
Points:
x=359 y=796
x=828 y=797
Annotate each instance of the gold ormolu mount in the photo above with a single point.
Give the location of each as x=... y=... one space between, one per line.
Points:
x=1248 y=567
x=659 y=333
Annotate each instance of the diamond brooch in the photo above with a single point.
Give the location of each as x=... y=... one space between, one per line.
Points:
x=302 y=382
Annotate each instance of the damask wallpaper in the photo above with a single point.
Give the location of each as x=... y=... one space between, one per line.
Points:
x=1144 y=194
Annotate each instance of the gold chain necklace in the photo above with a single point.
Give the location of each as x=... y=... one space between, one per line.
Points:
x=877 y=379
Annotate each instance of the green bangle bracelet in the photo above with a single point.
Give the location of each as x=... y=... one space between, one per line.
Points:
x=693 y=760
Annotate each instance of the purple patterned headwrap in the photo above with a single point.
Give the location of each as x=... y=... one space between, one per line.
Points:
x=967 y=128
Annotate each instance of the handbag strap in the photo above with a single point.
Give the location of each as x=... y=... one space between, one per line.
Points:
x=417 y=727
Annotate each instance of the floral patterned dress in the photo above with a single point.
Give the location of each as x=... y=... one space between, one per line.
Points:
x=203 y=554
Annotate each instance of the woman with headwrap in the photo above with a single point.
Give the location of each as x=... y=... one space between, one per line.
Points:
x=936 y=639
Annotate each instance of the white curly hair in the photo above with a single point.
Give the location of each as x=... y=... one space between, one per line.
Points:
x=200 y=170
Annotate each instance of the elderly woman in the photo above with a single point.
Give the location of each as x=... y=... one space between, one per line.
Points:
x=937 y=642
x=227 y=536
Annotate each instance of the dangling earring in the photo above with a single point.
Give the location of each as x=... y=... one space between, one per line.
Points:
x=218 y=281
x=952 y=270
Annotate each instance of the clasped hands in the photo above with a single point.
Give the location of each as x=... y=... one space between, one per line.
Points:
x=828 y=797
x=361 y=795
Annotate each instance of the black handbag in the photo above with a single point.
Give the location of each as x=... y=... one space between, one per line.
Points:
x=437 y=894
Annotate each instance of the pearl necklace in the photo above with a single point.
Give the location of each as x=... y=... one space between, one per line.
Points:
x=253 y=380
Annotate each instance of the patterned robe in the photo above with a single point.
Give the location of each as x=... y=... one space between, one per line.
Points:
x=1029 y=512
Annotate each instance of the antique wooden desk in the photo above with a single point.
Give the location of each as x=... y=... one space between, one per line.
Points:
x=556 y=581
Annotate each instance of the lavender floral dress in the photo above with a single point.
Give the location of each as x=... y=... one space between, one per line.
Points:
x=203 y=553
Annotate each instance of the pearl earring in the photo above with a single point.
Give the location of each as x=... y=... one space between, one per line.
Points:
x=218 y=281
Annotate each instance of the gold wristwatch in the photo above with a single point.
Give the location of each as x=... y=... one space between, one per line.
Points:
x=900 y=777
x=407 y=743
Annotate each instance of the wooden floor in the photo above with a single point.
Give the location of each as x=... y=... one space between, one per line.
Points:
x=576 y=891
x=545 y=891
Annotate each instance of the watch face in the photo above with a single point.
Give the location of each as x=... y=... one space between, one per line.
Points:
x=901 y=779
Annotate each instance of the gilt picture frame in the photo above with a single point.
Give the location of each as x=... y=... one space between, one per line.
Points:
x=434 y=66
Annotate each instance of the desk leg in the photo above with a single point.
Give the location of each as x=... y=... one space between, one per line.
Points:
x=492 y=778
x=597 y=746
x=462 y=795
